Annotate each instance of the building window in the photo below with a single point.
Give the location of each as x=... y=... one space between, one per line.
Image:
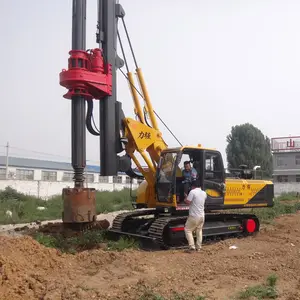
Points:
x=103 y=179
x=67 y=176
x=89 y=178
x=2 y=174
x=282 y=178
x=281 y=161
x=23 y=174
x=128 y=179
x=49 y=176
x=297 y=178
x=297 y=159
x=117 y=179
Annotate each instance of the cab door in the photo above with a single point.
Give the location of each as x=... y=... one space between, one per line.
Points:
x=165 y=175
x=213 y=179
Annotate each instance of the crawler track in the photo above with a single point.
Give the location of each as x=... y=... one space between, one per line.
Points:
x=167 y=232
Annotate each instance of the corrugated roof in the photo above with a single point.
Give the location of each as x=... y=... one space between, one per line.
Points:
x=43 y=164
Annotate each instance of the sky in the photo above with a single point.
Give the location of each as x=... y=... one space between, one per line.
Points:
x=208 y=65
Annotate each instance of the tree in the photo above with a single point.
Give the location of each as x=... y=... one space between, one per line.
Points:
x=248 y=145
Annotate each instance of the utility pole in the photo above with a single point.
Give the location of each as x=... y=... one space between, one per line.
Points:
x=6 y=169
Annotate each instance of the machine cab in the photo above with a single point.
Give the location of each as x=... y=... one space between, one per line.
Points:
x=207 y=167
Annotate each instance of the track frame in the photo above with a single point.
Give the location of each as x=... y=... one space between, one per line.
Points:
x=157 y=230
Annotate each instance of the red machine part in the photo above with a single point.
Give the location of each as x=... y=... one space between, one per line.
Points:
x=250 y=225
x=87 y=75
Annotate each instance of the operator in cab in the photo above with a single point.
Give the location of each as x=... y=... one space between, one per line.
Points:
x=189 y=174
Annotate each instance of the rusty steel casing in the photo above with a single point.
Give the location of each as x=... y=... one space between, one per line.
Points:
x=79 y=205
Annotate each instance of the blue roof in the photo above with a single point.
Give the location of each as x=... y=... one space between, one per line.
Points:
x=43 y=164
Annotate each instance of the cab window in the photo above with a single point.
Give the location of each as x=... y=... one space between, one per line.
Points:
x=213 y=166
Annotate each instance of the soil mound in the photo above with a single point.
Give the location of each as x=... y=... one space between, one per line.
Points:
x=30 y=271
x=25 y=266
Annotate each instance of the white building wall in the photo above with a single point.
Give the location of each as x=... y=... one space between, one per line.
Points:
x=59 y=176
x=46 y=189
x=286 y=187
x=37 y=175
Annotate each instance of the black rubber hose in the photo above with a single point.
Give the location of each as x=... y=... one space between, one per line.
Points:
x=89 y=119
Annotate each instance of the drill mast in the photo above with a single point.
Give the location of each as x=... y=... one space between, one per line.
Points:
x=91 y=75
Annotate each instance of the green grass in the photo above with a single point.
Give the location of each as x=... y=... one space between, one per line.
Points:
x=24 y=207
x=148 y=294
x=263 y=291
x=83 y=241
x=289 y=196
x=113 y=201
x=281 y=207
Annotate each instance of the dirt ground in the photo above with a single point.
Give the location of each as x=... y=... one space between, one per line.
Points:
x=31 y=271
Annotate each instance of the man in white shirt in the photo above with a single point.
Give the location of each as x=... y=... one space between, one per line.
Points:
x=196 y=200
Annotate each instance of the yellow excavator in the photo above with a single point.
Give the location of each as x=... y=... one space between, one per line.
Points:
x=160 y=213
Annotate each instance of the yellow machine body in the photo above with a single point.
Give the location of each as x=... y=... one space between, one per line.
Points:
x=238 y=193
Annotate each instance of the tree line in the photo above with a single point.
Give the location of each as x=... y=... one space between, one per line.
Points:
x=247 y=145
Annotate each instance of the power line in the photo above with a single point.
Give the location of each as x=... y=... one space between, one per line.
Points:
x=170 y=131
x=38 y=152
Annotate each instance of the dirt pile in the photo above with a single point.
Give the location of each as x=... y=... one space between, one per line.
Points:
x=25 y=266
x=63 y=229
x=29 y=271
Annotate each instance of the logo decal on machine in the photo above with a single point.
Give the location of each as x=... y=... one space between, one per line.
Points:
x=182 y=207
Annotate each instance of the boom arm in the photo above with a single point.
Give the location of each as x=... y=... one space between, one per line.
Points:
x=140 y=136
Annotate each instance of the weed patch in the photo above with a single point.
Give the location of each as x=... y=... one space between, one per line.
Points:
x=113 y=201
x=150 y=294
x=264 y=291
x=24 y=207
x=122 y=244
x=290 y=196
x=280 y=208
x=83 y=241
